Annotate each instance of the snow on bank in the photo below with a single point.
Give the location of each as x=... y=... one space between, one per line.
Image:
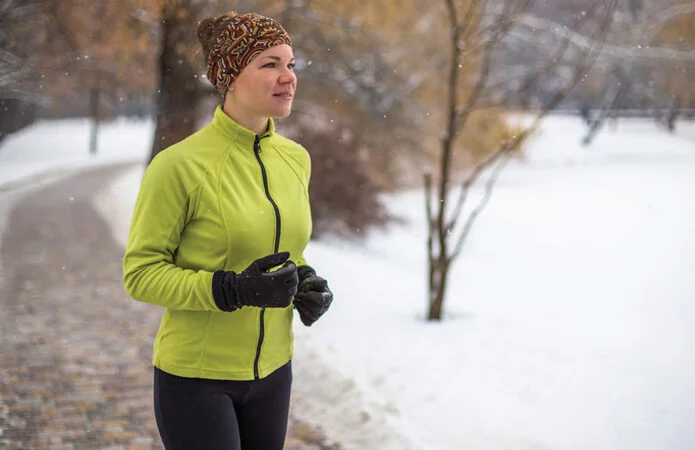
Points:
x=569 y=315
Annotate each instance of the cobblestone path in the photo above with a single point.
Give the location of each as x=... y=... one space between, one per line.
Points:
x=75 y=350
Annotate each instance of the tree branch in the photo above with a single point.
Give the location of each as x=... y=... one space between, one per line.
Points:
x=489 y=186
x=430 y=227
x=660 y=17
x=469 y=181
x=451 y=130
x=533 y=24
x=557 y=56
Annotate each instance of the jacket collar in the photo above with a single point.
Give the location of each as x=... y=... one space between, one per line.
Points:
x=231 y=130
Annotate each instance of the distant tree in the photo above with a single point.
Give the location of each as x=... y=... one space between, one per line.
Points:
x=178 y=67
x=652 y=46
x=100 y=50
x=18 y=44
x=633 y=44
x=71 y=57
x=620 y=84
x=677 y=80
x=19 y=62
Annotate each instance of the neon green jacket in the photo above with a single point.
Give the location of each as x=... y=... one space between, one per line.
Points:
x=217 y=200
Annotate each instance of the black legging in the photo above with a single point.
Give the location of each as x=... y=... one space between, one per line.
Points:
x=201 y=414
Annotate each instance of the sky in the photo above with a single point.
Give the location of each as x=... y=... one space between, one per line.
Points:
x=568 y=320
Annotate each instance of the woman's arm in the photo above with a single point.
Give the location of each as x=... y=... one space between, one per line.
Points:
x=159 y=217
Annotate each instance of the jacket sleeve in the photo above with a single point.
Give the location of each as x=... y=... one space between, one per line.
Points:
x=301 y=261
x=159 y=216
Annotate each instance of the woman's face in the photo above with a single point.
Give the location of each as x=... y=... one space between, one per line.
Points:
x=266 y=86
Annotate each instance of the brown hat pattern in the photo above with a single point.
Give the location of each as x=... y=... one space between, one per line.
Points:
x=244 y=38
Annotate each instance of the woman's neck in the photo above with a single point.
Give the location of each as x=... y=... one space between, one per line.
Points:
x=258 y=125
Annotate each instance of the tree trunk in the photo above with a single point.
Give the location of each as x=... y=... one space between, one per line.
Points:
x=94 y=112
x=439 y=264
x=15 y=114
x=177 y=95
x=438 y=279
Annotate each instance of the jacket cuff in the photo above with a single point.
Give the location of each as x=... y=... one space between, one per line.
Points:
x=220 y=294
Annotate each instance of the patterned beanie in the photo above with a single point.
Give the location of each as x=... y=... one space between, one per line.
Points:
x=244 y=38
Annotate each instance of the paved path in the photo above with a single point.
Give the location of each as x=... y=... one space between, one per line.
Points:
x=75 y=350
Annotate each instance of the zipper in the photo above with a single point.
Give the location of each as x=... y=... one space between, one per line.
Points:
x=276 y=246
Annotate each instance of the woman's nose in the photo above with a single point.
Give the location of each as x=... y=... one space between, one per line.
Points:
x=288 y=76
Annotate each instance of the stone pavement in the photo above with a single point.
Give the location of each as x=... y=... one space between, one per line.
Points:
x=75 y=350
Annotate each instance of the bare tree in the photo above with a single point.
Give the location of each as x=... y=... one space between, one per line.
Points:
x=477 y=29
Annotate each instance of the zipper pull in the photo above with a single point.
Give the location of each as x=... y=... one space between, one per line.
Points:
x=257 y=144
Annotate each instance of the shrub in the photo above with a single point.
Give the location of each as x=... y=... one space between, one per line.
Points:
x=345 y=196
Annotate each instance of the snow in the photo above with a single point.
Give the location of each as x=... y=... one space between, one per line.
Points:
x=568 y=323
x=48 y=147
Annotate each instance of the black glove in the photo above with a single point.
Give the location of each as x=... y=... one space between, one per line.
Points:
x=256 y=286
x=314 y=297
x=304 y=272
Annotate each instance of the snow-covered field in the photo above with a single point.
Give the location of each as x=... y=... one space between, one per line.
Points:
x=569 y=319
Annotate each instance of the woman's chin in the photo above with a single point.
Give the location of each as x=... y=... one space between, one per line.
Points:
x=282 y=114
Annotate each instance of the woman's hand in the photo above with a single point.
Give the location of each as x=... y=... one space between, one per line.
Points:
x=313 y=298
x=257 y=285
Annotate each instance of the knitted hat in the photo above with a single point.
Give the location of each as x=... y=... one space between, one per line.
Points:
x=243 y=38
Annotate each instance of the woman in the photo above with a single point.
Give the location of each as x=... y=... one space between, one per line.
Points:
x=216 y=213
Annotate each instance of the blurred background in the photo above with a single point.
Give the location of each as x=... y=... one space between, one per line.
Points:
x=375 y=93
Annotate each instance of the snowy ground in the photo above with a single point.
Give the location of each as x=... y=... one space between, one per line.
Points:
x=569 y=316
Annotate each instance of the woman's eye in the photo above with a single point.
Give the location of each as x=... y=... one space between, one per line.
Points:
x=291 y=66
